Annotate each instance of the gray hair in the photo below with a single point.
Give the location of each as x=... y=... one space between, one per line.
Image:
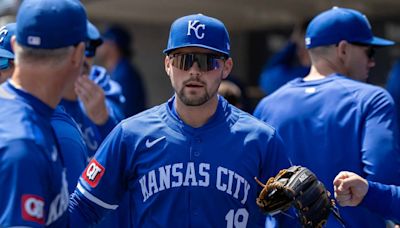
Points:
x=50 y=57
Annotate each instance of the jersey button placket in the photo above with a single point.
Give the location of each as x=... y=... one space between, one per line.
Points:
x=196 y=146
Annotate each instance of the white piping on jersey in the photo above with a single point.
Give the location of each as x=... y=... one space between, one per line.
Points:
x=94 y=199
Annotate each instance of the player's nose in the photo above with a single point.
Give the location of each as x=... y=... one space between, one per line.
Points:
x=371 y=62
x=195 y=69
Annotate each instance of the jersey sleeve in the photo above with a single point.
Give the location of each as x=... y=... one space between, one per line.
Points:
x=380 y=140
x=276 y=157
x=383 y=200
x=275 y=160
x=75 y=159
x=103 y=183
x=23 y=185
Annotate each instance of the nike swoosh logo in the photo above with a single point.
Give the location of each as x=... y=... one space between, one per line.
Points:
x=152 y=143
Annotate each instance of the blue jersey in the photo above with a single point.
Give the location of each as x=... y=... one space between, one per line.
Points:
x=32 y=176
x=179 y=176
x=94 y=134
x=72 y=146
x=383 y=200
x=336 y=124
x=393 y=86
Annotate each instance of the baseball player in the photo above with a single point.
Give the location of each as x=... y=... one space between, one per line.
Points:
x=6 y=52
x=68 y=134
x=191 y=161
x=49 y=48
x=353 y=190
x=94 y=101
x=331 y=120
x=115 y=54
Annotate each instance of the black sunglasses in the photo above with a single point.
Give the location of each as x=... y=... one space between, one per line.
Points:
x=370 y=52
x=205 y=61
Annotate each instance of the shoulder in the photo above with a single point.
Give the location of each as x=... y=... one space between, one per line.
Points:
x=19 y=121
x=363 y=91
x=144 y=121
x=249 y=123
x=20 y=153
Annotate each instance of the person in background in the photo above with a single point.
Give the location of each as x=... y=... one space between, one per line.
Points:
x=49 y=47
x=115 y=54
x=393 y=86
x=6 y=52
x=231 y=92
x=332 y=120
x=289 y=63
x=94 y=104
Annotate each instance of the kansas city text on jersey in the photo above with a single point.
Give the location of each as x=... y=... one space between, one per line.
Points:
x=191 y=174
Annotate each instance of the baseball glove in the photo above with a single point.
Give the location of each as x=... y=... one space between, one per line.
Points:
x=299 y=187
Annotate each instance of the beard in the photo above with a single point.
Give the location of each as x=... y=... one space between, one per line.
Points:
x=193 y=100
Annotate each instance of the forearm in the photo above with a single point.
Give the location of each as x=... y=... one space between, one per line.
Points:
x=383 y=200
x=83 y=212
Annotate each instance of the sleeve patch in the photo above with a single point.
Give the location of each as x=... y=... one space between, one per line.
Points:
x=93 y=173
x=32 y=208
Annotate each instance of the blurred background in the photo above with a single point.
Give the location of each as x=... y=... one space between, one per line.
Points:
x=258 y=29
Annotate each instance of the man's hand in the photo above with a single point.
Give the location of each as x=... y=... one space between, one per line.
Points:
x=93 y=99
x=350 y=188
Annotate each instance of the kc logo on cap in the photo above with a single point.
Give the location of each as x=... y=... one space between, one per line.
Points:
x=195 y=26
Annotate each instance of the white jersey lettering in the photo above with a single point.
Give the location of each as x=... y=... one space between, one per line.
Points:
x=203 y=171
x=190 y=175
x=178 y=174
x=165 y=177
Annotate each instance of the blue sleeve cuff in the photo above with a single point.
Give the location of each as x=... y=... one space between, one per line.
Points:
x=378 y=199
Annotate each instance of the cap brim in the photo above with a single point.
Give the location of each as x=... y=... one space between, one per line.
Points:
x=6 y=54
x=168 y=50
x=377 y=41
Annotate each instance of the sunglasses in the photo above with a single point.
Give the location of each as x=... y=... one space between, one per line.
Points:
x=4 y=63
x=205 y=62
x=370 y=51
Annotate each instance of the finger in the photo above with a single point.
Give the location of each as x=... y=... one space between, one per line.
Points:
x=343 y=197
x=82 y=94
x=342 y=175
x=350 y=182
x=85 y=83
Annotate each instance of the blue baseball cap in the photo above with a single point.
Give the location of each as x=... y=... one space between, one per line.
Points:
x=198 y=30
x=337 y=24
x=94 y=40
x=51 y=24
x=6 y=32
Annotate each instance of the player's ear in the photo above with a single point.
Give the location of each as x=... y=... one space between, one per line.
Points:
x=13 y=41
x=78 y=54
x=227 y=68
x=342 y=48
x=167 y=65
